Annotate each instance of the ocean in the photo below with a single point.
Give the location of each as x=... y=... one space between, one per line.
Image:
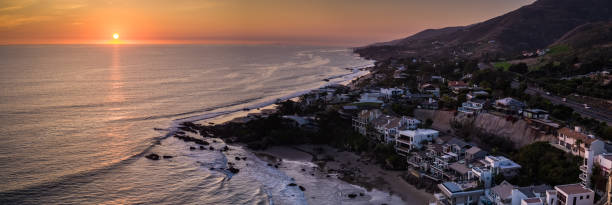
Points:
x=77 y=120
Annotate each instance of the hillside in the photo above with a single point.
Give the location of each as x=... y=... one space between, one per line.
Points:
x=598 y=34
x=530 y=27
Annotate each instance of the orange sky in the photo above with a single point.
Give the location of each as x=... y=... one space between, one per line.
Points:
x=331 y=22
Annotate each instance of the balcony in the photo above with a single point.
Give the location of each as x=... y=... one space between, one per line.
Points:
x=583 y=168
x=583 y=177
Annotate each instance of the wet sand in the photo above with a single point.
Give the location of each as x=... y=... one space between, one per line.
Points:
x=373 y=181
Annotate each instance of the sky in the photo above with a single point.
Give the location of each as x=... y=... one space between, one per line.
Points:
x=310 y=22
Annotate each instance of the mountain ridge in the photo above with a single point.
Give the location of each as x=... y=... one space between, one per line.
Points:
x=530 y=27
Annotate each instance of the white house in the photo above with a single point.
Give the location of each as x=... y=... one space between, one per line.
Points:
x=413 y=139
x=605 y=162
x=501 y=164
x=388 y=93
x=472 y=106
x=571 y=194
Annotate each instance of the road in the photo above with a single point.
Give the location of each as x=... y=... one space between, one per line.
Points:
x=595 y=113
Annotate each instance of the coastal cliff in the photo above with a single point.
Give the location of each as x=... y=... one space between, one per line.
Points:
x=519 y=131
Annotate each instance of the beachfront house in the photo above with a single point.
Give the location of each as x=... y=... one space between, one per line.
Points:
x=389 y=93
x=363 y=119
x=408 y=140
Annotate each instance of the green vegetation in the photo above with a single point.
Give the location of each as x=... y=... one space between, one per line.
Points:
x=502 y=65
x=559 y=49
x=543 y=164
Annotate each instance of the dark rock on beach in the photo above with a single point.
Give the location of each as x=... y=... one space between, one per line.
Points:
x=352 y=195
x=292 y=184
x=167 y=157
x=233 y=170
x=192 y=148
x=152 y=156
x=302 y=188
x=237 y=158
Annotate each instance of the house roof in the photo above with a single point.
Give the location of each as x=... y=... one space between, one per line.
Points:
x=533 y=200
x=503 y=190
x=510 y=101
x=461 y=168
x=531 y=191
x=571 y=189
x=457 y=84
x=394 y=122
x=458 y=142
x=452 y=187
x=473 y=150
x=575 y=135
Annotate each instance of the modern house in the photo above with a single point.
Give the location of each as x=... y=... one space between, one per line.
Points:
x=501 y=165
x=529 y=194
x=408 y=140
x=472 y=106
x=474 y=153
x=509 y=105
x=389 y=93
x=455 y=194
x=535 y=114
x=360 y=123
x=570 y=194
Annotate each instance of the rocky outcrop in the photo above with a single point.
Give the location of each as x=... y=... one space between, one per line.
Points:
x=518 y=131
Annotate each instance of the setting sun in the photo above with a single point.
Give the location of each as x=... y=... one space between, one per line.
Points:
x=116 y=36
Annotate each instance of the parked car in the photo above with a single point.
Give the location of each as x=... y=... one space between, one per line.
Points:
x=586 y=106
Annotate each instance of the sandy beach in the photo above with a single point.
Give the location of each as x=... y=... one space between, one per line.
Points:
x=318 y=166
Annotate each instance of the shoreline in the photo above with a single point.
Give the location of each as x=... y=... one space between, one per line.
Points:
x=349 y=168
x=375 y=183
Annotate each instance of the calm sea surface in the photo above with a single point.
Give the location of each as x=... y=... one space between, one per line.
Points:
x=76 y=120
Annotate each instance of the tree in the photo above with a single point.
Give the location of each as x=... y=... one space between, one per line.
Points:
x=519 y=68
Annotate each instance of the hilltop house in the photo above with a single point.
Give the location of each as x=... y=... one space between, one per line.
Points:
x=509 y=105
x=456 y=194
x=472 y=106
x=457 y=86
x=473 y=94
x=429 y=88
x=389 y=93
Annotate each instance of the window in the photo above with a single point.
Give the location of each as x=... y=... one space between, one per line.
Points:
x=588 y=196
x=580 y=197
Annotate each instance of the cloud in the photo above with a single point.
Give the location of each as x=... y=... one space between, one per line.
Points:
x=15 y=5
x=8 y=21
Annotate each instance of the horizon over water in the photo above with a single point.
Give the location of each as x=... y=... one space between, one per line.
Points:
x=76 y=120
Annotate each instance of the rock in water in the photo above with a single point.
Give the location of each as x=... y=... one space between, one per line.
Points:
x=352 y=195
x=302 y=188
x=192 y=148
x=292 y=184
x=167 y=157
x=152 y=156
x=237 y=158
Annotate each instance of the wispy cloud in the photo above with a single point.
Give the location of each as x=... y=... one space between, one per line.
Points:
x=8 y=21
x=12 y=5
